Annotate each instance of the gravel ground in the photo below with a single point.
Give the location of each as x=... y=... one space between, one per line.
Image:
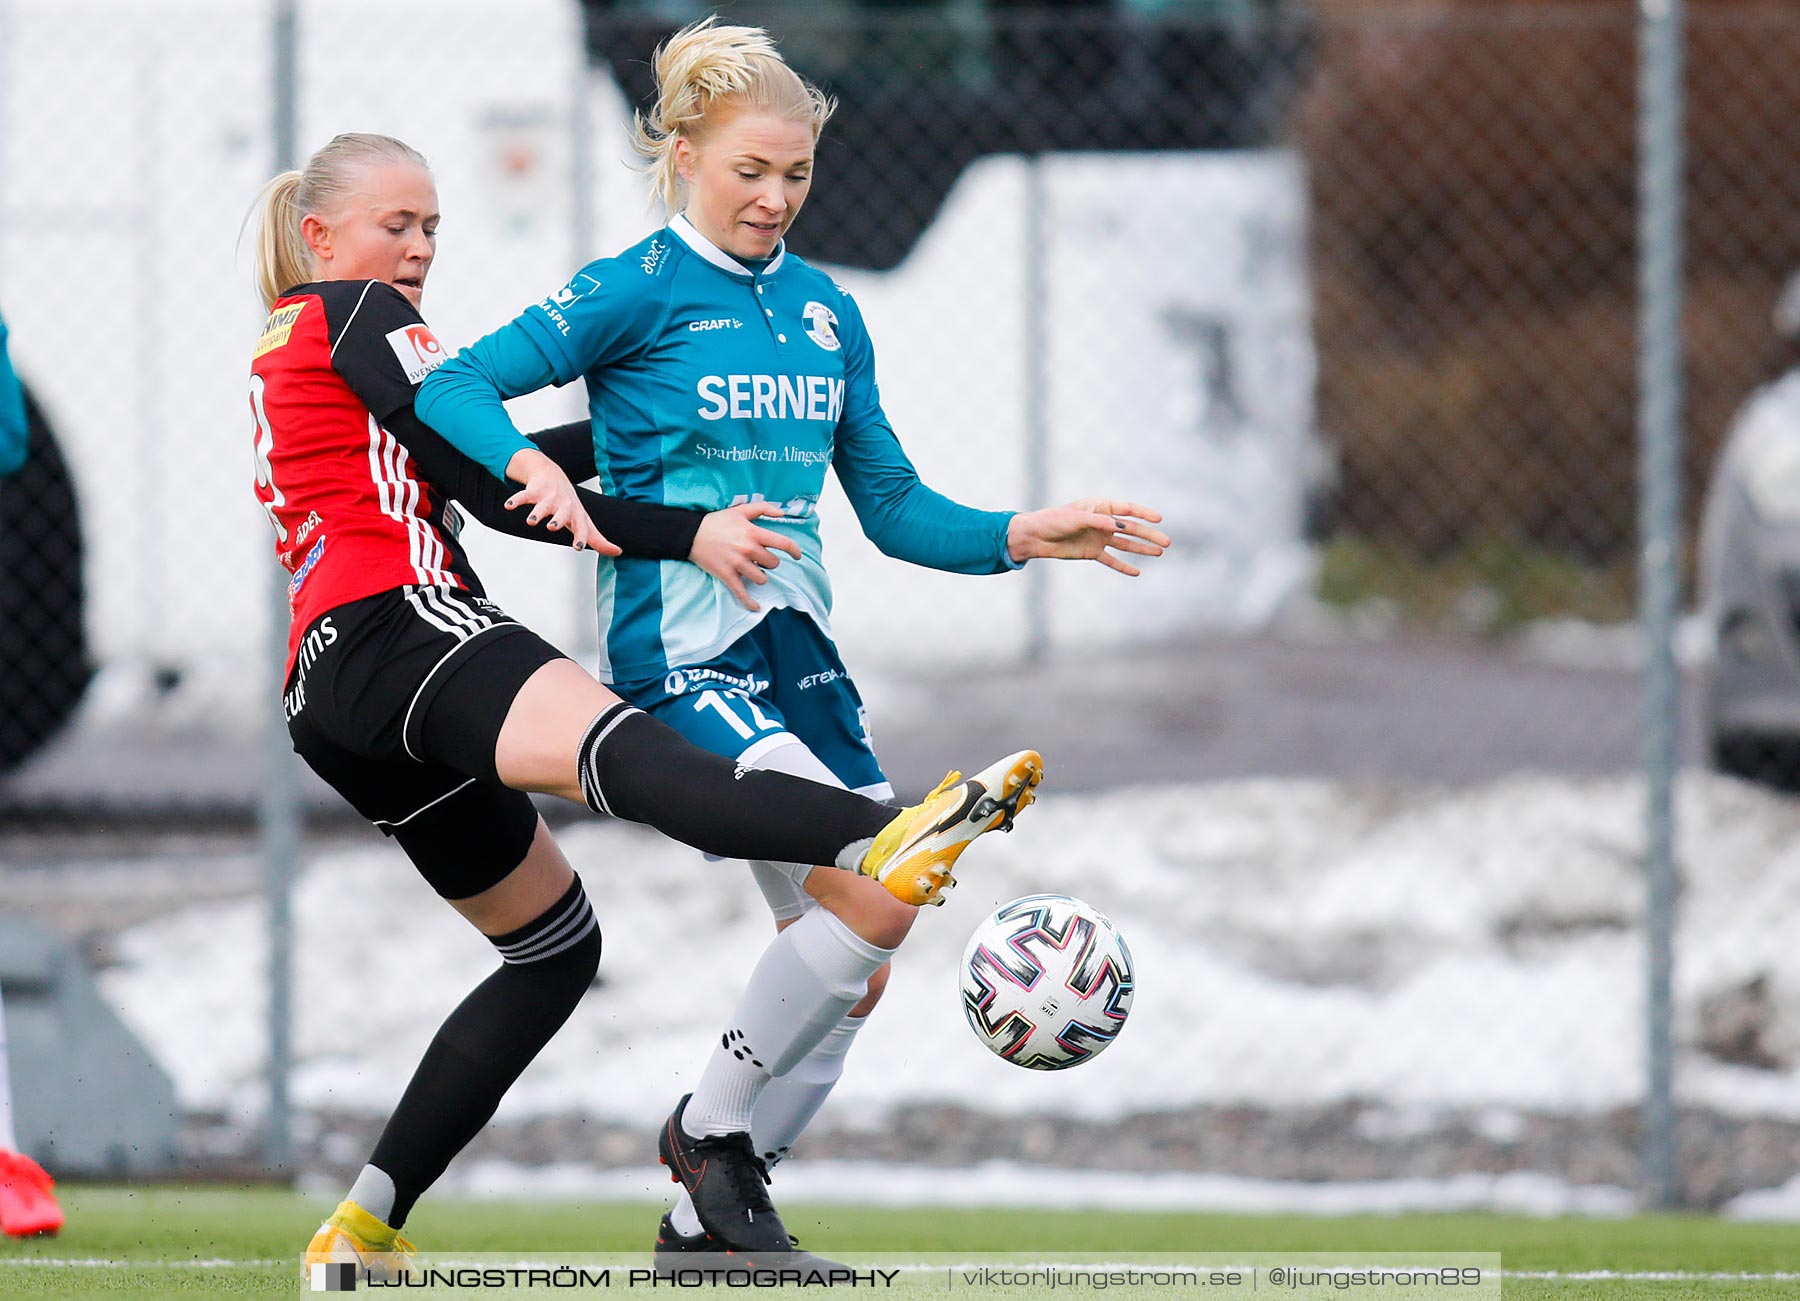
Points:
x=1723 y=1157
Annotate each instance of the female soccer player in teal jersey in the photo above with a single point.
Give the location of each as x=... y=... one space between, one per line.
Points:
x=721 y=368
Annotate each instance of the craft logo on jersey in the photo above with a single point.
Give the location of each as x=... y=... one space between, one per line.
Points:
x=278 y=327
x=821 y=325
x=418 y=350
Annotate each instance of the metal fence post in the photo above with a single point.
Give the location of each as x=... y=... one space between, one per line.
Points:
x=1036 y=404
x=1659 y=480
x=278 y=808
x=583 y=228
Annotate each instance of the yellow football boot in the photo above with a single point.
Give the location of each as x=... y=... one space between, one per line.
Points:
x=352 y=1236
x=914 y=854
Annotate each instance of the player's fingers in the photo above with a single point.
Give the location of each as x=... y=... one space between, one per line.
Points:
x=1111 y=561
x=581 y=528
x=764 y=558
x=569 y=511
x=1134 y=529
x=735 y=586
x=776 y=542
x=589 y=538
x=1136 y=545
x=538 y=499
x=758 y=509
x=1139 y=512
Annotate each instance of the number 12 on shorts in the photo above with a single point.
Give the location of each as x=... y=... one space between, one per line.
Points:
x=715 y=701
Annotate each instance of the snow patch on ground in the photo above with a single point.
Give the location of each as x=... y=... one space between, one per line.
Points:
x=1297 y=942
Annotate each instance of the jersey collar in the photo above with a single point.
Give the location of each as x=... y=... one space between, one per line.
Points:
x=684 y=230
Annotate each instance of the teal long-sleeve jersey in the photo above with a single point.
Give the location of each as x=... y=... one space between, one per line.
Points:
x=711 y=383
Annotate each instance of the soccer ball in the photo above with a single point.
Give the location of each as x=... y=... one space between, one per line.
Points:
x=1046 y=982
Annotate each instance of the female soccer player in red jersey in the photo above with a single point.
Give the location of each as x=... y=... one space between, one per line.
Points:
x=432 y=711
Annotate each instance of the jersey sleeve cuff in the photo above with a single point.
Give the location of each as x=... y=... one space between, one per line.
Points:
x=1006 y=560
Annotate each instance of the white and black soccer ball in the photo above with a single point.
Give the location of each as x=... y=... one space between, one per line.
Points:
x=1047 y=982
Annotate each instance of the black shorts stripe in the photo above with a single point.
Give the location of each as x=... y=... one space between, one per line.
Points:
x=446 y=665
x=445 y=609
x=389 y=824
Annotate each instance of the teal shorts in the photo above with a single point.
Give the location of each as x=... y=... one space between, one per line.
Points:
x=780 y=682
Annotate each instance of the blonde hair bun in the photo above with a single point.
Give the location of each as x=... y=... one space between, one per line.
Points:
x=708 y=68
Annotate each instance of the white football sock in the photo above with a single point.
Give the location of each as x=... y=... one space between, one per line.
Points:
x=807 y=979
x=9 y=1140
x=374 y=1192
x=684 y=1217
x=850 y=857
x=786 y=1107
x=790 y=1102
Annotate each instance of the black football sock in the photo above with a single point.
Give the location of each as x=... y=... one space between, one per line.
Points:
x=637 y=768
x=484 y=1044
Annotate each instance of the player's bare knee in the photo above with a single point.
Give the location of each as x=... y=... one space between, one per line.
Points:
x=876 y=915
x=878 y=980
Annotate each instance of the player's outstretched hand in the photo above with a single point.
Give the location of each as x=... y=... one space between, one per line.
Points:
x=547 y=490
x=1089 y=529
x=736 y=550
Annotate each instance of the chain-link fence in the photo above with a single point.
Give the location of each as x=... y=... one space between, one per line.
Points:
x=1348 y=293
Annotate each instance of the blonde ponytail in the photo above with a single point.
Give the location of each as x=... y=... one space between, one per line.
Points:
x=705 y=70
x=282 y=257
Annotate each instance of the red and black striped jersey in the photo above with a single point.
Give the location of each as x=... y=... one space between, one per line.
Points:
x=353 y=513
x=358 y=488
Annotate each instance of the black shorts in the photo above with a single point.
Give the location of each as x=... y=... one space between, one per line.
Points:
x=397 y=701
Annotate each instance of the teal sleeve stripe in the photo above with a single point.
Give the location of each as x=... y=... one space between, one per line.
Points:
x=14 y=431
x=464 y=398
x=909 y=521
